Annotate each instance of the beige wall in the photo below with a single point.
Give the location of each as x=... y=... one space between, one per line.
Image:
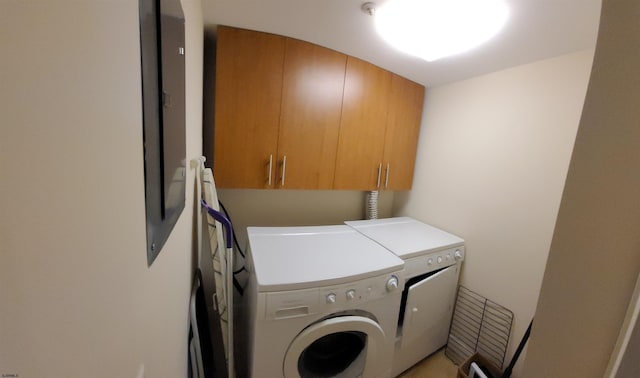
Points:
x=492 y=160
x=76 y=296
x=595 y=253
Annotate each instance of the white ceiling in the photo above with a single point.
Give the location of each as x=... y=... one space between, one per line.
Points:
x=536 y=30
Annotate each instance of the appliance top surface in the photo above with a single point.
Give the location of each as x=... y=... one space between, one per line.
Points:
x=291 y=258
x=406 y=237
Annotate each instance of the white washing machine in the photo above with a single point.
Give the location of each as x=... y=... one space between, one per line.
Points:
x=432 y=267
x=322 y=302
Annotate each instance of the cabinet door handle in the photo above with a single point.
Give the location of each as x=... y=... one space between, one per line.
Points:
x=270 y=166
x=386 y=177
x=284 y=168
x=379 y=174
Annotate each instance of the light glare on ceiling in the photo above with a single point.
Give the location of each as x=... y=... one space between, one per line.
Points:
x=433 y=29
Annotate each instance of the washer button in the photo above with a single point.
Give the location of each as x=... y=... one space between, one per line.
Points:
x=439 y=259
x=392 y=283
x=331 y=298
x=351 y=294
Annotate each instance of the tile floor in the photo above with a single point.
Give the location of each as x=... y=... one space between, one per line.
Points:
x=435 y=366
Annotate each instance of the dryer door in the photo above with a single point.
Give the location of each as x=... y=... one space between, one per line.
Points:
x=429 y=308
x=344 y=346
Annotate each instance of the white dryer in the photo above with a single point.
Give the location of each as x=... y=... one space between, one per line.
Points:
x=322 y=302
x=432 y=267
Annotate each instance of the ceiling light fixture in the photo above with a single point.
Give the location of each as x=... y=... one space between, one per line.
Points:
x=369 y=8
x=434 y=29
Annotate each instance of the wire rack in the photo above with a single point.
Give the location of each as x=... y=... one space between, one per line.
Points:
x=478 y=325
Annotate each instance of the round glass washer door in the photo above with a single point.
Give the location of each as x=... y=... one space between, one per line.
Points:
x=344 y=346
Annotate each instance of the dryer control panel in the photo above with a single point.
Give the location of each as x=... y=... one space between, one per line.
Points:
x=433 y=261
x=297 y=303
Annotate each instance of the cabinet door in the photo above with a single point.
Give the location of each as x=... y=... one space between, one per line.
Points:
x=362 y=127
x=403 y=126
x=247 y=107
x=310 y=115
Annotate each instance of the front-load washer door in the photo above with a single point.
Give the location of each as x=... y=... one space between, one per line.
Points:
x=340 y=347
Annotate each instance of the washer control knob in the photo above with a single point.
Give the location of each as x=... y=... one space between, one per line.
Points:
x=430 y=261
x=439 y=259
x=457 y=254
x=331 y=298
x=351 y=294
x=392 y=283
x=448 y=256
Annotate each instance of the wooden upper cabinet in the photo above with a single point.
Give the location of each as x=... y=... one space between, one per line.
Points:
x=310 y=115
x=293 y=115
x=362 y=127
x=247 y=107
x=403 y=126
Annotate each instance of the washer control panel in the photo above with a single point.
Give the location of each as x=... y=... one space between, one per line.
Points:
x=297 y=303
x=365 y=290
x=433 y=261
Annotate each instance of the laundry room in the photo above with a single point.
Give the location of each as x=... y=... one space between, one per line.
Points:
x=492 y=156
x=506 y=177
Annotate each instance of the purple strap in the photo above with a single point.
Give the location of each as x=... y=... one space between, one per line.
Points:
x=228 y=228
